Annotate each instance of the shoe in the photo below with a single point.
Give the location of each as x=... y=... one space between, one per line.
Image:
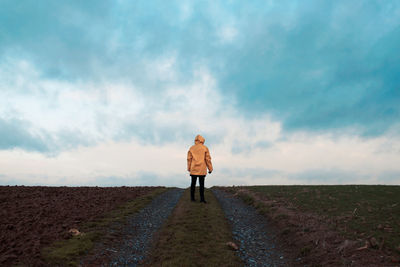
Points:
x=193 y=200
x=203 y=201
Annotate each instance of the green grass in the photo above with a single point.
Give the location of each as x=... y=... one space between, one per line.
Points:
x=360 y=211
x=195 y=235
x=67 y=252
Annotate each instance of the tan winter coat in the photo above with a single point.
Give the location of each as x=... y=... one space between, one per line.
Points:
x=198 y=158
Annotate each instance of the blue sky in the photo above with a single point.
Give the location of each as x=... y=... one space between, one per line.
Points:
x=285 y=92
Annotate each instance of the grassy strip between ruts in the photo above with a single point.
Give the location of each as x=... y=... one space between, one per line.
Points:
x=359 y=211
x=66 y=252
x=195 y=235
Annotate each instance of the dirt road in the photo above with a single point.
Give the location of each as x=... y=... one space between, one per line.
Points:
x=250 y=231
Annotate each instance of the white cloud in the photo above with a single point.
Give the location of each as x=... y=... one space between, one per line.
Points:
x=162 y=69
x=312 y=159
x=55 y=105
x=186 y=10
x=227 y=34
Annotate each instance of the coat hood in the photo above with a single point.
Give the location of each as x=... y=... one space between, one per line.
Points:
x=199 y=139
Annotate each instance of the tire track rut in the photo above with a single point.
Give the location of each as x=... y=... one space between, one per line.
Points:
x=255 y=237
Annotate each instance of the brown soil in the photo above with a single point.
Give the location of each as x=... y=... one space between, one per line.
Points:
x=310 y=239
x=32 y=217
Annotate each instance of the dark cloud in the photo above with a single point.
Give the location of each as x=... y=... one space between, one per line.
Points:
x=20 y=134
x=326 y=70
x=316 y=66
x=15 y=133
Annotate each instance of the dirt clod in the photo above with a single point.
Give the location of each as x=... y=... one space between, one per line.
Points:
x=74 y=232
x=367 y=245
x=346 y=245
x=373 y=242
x=232 y=245
x=395 y=259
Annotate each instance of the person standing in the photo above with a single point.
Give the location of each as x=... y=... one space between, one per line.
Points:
x=198 y=160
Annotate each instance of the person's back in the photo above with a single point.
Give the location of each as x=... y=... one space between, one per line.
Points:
x=198 y=160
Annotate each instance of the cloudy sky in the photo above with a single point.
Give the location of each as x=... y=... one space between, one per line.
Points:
x=112 y=93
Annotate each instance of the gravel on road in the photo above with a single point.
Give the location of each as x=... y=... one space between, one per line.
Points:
x=251 y=230
x=139 y=230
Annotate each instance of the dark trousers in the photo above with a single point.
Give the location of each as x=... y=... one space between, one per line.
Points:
x=193 y=186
